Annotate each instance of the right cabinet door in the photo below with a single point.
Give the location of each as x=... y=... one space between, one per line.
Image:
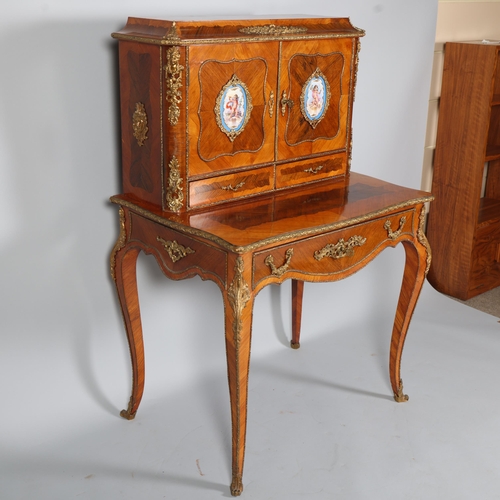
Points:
x=314 y=105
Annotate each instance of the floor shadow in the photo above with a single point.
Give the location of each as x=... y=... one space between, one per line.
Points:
x=294 y=376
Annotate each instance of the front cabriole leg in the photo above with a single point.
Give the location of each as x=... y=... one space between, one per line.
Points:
x=238 y=307
x=418 y=261
x=123 y=271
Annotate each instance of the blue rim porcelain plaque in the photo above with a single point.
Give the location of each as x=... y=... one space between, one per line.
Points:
x=315 y=98
x=233 y=107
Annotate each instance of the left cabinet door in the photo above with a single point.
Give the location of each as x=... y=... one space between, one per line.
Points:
x=232 y=106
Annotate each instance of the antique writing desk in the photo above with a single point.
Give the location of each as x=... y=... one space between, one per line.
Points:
x=236 y=151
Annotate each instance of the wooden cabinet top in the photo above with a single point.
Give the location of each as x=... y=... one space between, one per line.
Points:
x=164 y=32
x=217 y=111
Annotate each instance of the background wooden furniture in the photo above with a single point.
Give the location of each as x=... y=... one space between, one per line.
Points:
x=464 y=226
x=269 y=193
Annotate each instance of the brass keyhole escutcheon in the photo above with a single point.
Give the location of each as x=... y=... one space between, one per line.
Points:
x=285 y=102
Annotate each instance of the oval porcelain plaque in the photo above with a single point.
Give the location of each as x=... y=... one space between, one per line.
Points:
x=233 y=107
x=315 y=98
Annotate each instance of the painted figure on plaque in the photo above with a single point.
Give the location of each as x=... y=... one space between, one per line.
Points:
x=315 y=98
x=233 y=107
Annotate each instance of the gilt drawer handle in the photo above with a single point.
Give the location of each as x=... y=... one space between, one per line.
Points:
x=394 y=234
x=230 y=187
x=279 y=271
x=313 y=170
x=340 y=249
x=175 y=250
x=285 y=102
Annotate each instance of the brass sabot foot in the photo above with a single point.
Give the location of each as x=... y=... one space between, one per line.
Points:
x=400 y=397
x=126 y=414
x=237 y=486
x=294 y=345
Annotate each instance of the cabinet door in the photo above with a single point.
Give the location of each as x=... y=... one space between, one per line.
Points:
x=231 y=106
x=315 y=97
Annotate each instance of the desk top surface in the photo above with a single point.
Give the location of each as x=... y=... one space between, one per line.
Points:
x=286 y=216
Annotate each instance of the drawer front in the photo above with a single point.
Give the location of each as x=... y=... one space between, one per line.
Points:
x=178 y=253
x=485 y=269
x=231 y=186
x=302 y=172
x=335 y=252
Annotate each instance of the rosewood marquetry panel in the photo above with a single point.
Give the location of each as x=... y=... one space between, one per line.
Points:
x=222 y=77
x=328 y=68
x=140 y=80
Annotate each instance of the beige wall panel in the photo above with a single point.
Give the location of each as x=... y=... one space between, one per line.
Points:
x=437 y=72
x=432 y=121
x=459 y=21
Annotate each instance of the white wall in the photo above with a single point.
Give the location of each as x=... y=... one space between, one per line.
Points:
x=63 y=357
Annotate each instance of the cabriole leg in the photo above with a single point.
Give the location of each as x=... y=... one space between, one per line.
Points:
x=123 y=271
x=417 y=264
x=238 y=307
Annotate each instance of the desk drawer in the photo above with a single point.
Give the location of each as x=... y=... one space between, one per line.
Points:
x=302 y=172
x=231 y=186
x=178 y=253
x=335 y=252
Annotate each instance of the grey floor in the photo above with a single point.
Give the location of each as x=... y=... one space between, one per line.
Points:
x=488 y=302
x=321 y=424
